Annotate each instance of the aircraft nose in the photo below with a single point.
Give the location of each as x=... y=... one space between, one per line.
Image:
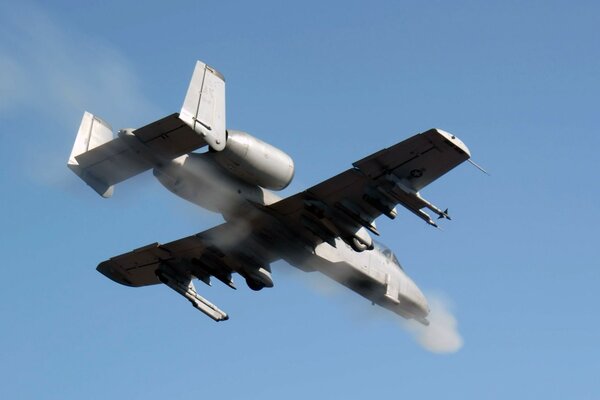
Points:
x=423 y=304
x=421 y=307
x=419 y=300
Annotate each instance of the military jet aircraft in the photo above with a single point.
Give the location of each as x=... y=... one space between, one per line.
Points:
x=326 y=228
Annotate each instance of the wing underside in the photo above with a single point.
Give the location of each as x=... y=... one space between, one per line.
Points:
x=347 y=205
x=218 y=252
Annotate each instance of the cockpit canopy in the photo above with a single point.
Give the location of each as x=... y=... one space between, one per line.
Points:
x=387 y=253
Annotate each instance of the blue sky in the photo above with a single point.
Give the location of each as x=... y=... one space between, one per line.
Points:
x=329 y=83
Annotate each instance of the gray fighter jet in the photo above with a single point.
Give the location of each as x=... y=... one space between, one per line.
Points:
x=327 y=228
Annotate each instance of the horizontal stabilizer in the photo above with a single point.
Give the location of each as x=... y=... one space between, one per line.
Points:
x=102 y=161
x=133 y=152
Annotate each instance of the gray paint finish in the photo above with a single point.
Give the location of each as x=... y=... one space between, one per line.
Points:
x=327 y=228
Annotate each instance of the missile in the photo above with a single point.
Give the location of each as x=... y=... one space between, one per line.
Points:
x=407 y=192
x=187 y=290
x=445 y=215
x=424 y=216
x=440 y=213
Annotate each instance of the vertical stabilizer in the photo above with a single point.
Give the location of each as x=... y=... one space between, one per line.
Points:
x=93 y=132
x=204 y=105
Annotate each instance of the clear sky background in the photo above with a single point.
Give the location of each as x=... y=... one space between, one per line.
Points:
x=329 y=83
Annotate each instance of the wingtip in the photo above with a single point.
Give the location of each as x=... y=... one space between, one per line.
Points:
x=455 y=141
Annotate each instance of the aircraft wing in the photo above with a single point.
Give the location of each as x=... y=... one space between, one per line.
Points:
x=218 y=252
x=347 y=204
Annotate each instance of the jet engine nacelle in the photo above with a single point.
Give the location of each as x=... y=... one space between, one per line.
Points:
x=255 y=161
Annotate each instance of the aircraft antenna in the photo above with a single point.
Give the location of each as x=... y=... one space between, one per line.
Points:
x=478 y=167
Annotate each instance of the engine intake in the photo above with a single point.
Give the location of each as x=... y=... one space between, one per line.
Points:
x=255 y=161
